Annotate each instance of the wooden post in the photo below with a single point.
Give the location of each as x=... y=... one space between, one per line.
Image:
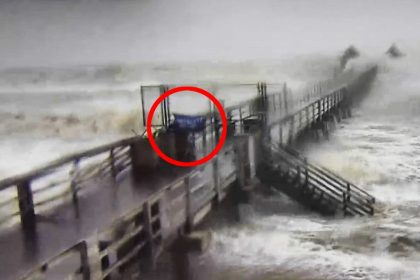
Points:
x=181 y=263
x=319 y=110
x=149 y=232
x=344 y=204
x=181 y=247
x=265 y=94
x=264 y=97
x=269 y=135
x=325 y=104
x=300 y=119
x=274 y=103
x=286 y=105
x=331 y=99
x=216 y=130
x=239 y=162
x=142 y=106
x=84 y=261
x=73 y=186
x=280 y=134
x=298 y=175
x=216 y=179
x=327 y=101
x=211 y=124
x=188 y=212
x=307 y=117
x=74 y=174
x=313 y=112
x=204 y=135
x=162 y=110
x=240 y=121
x=280 y=103
x=112 y=163
x=348 y=192
x=26 y=206
x=292 y=129
x=336 y=98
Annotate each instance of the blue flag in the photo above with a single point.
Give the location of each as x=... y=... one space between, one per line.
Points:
x=187 y=123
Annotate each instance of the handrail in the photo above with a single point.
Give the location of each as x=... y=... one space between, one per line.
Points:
x=328 y=175
x=334 y=194
x=327 y=172
x=292 y=114
x=47 y=168
x=328 y=179
x=351 y=198
x=323 y=181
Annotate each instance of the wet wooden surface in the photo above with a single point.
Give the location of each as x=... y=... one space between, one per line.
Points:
x=99 y=205
x=102 y=203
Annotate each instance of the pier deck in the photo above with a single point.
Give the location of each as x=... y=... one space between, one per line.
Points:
x=56 y=231
x=93 y=206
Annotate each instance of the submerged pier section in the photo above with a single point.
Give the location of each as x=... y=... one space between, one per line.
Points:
x=99 y=213
x=314 y=187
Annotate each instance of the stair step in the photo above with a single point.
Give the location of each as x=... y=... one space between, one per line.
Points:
x=312 y=186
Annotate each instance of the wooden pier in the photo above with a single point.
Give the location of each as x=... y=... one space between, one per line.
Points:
x=91 y=215
x=314 y=187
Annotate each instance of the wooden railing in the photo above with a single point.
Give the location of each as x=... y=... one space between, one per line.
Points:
x=54 y=268
x=45 y=187
x=335 y=178
x=350 y=199
x=50 y=185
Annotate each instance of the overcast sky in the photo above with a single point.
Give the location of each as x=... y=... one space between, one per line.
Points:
x=62 y=32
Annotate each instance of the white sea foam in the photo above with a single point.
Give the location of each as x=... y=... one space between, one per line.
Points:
x=378 y=150
x=50 y=110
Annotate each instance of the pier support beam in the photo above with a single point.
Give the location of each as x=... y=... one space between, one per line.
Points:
x=195 y=242
x=244 y=185
x=143 y=158
x=28 y=217
x=344 y=111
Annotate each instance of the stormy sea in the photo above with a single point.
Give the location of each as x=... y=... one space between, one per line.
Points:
x=378 y=149
x=47 y=113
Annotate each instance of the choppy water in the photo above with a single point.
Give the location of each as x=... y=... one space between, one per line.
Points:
x=39 y=127
x=280 y=241
x=49 y=112
x=377 y=149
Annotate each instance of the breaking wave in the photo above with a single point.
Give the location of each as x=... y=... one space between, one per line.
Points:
x=71 y=125
x=378 y=150
x=50 y=110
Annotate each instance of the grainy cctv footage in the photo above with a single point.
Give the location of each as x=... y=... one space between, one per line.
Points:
x=207 y=140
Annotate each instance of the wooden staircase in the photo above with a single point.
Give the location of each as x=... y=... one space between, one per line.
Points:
x=314 y=187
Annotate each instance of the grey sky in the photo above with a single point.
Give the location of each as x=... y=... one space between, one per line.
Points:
x=56 y=32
